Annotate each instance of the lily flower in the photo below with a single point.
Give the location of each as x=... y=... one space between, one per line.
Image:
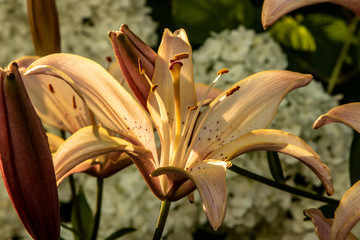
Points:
x=59 y=106
x=348 y=212
x=25 y=159
x=196 y=145
x=274 y=9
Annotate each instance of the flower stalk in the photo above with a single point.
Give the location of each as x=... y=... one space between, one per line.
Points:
x=164 y=212
x=283 y=186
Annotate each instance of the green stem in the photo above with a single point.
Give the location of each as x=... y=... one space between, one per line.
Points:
x=164 y=212
x=75 y=205
x=100 y=185
x=341 y=59
x=283 y=186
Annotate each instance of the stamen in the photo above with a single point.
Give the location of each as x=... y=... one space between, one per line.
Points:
x=141 y=67
x=153 y=87
x=179 y=56
x=175 y=64
x=108 y=59
x=231 y=91
x=222 y=71
x=175 y=67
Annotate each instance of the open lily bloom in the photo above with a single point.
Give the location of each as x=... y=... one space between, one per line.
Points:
x=196 y=146
x=348 y=212
x=59 y=106
x=275 y=9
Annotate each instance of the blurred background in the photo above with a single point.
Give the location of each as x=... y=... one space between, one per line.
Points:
x=224 y=34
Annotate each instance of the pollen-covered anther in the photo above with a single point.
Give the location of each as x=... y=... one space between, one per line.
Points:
x=141 y=67
x=222 y=71
x=231 y=91
x=153 y=87
x=175 y=64
x=192 y=108
x=179 y=56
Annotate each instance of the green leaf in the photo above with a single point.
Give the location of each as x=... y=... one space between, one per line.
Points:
x=332 y=27
x=354 y=163
x=119 y=233
x=201 y=17
x=82 y=217
x=275 y=166
x=289 y=32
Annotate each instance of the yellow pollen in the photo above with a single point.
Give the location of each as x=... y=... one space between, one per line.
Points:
x=231 y=91
x=222 y=71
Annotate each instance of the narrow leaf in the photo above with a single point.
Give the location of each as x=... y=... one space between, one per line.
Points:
x=275 y=166
x=81 y=217
x=119 y=233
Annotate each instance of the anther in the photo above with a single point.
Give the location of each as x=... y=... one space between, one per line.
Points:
x=108 y=59
x=192 y=108
x=141 y=68
x=222 y=71
x=153 y=87
x=231 y=91
x=179 y=56
x=172 y=64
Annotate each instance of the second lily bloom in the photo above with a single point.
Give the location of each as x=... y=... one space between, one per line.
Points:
x=196 y=144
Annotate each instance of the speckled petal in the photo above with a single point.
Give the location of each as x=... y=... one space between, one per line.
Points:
x=248 y=105
x=56 y=103
x=90 y=142
x=111 y=103
x=279 y=141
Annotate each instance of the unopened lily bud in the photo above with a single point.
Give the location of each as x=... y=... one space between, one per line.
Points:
x=128 y=48
x=25 y=159
x=44 y=26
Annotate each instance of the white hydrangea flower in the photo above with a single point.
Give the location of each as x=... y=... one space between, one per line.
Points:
x=83 y=27
x=241 y=50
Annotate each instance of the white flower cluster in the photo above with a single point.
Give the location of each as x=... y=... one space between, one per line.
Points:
x=83 y=27
x=242 y=51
